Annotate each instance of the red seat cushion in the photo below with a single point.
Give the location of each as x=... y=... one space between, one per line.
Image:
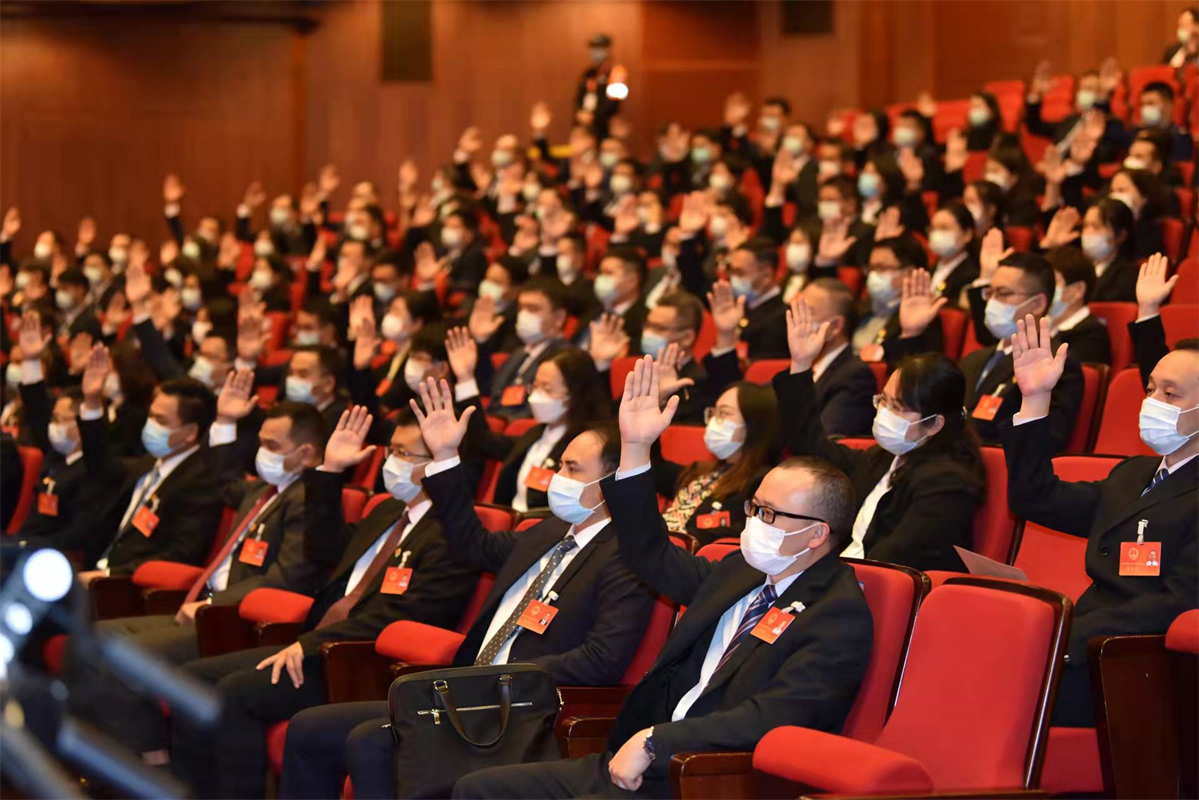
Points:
x=418 y=643
x=838 y=764
x=166 y=575
x=1183 y=634
x=52 y=652
x=1072 y=762
x=274 y=605
x=31 y=467
x=763 y=372
x=276 y=739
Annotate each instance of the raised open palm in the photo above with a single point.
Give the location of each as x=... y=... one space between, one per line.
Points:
x=1152 y=287
x=236 y=399
x=641 y=419
x=918 y=306
x=805 y=336
x=344 y=448
x=442 y=431
x=1037 y=368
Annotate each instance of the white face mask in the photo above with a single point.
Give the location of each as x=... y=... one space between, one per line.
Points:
x=64 y=300
x=260 y=279
x=546 y=410
x=489 y=288
x=1000 y=319
x=59 y=438
x=263 y=247
x=43 y=250
x=202 y=370
x=1159 y=426
x=721 y=182
x=718 y=227
x=307 y=338
x=528 y=328
x=828 y=210
x=1132 y=162
x=359 y=232
x=393 y=328
x=564 y=494
x=191 y=249
x=118 y=255
x=414 y=373
x=530 y=192
x=1128 y=199
x=567 y=271
x=799 y=256
x=621 y=184
x=298 y=390
x=397 y=478
x=793 y=144
x=881 y=288
x=718 y=438
x=827 y=169
x=760 y=545
x=12 y=374
x=280 y=217
x=269 y=467
x=1097 y=246
x=451 y=237
x=943 y=242
x=605 y=289
x=173 y=277
x=190 y=298
x=891 y=430
x=94 y=274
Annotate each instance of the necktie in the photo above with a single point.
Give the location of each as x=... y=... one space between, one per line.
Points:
x=341 y=609
x=994 y=360
x=492 y=648
x=757 y=609
x=1160 y=476
x=142 y=494
x=228 y=546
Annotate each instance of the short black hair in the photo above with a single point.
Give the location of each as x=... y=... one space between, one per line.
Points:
x=630 y=257
x=307 y=424
x=847 y=305
x=740 y=207
x=321 y=308
x=846 y=186
x=431 y=339
x=422 y=306
x=517 y=268
x=833 y=499
x=329 y=358
x=392 y=258
x=687 y=307
x=197 y=404
x=1159 y=87
x=1073 y=267
x=908 y=251
x=1035 y=266
x=780 y=101
x=550 y=287
x=609 y=435
x=764 y=251
x=73 y=276
x=1159 y=138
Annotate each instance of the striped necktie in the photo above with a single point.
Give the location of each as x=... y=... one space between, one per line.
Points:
x=1158 y=477
x=757 y=609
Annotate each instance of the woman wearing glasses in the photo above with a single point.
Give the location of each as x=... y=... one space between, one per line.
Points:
x=919 y=487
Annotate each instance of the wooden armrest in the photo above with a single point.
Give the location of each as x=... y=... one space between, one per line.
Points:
x=400 y=668
x=114 y=597
x=220 y=630
x=162 y=601
x=354 y=671
x=277 y=633
x=592 y=701
x=997 y=794
x=582 y=736
x=713 y=776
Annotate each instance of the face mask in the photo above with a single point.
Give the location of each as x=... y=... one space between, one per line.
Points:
x=59 y=440
x=977 y=212
x=1184 y=35
x=1159 y=426
x=566 y=268
x=112 y=386
x=393 y=328
x=22 y=281
x=94 y=274
x=307 y=338
x=997 y=177
x=43 y=250
x=64 y=300
x=827 y=169
x=528 y=328
x=905 y=137
x=260 y=279
x=608 y=160
x=451 y=237
x=12 y=374
x=414 y=373
x=1059 y=305
x=384 y=292
x=191 y=249
x=621 y=184
x=1084 y=99
x=943 y=242
x=263 y=247
x=270 y=467
x=200 y=330
x=798 y=255
x=881 y=288
x=770 y=124
x=670 y=259
x=156 y=439
x=280 y=217
x=793 y=144
x=718 y=227
x=1128 y=199
x=1151 y=115
x=701 y=155
x=605 y=289
x=828 y=210
x=359 y=232
x=564 y=494
x=598 y=55
x=546 y=410
x=978 y=116
x=721 y=182
x=530 y=191
x=869 y=185
x=760 y=545
x=397 y=478
x=501 y=158
x=651 y=343
x=493 y=290
x=743 y=287
x=1097 y=246
x=1000 y=319
x=173 y=277
x=118 y=255
x=718 y=438
x=201 y=371
x=299 y=390
x=643 y=215
x=891 y=430
x=1132 y=162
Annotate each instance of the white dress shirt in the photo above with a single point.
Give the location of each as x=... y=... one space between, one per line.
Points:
x=416 y=512
x=1070 y=322
x=945 y=269
x=669 y=281
x=536 y=455
x=865 y=515
x=822 y=363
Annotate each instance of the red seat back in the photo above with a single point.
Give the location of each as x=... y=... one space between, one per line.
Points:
x=879 y=368
x=485 y=493
x=621 y=367
x=280 y=321
x=496 y=518
x=1116 y=316
x=1094 y=384
x=684 y=444
x=527 y=522
x=993 y=523
x=656 y=631
x=166 y=575
x=763 y=372
x=1119 y=431
x=518 y=427
x=1019 y=237
x=853 y=278
x=1187 y=288
x=975 y=166
x=1173 y=231
x=31 y=468
x=970 y=342
x=1183 y=634
x=274 y=605
x=974 y=720
x=1181 y=321
x=353 y=504
x=366 y=472
x=706 y=338
x=858 y=442
x=228 y=516
x=714 y=551
x=953 y=329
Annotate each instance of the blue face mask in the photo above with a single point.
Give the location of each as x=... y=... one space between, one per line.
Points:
x=299 y=390
x=1059 y=305
x=651 y=343
x=156 y=439
x=743 y=287
x=1000 y=319
x=869 y=185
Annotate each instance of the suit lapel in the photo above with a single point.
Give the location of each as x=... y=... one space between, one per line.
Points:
x=583 y=555
x=1140 y=474
x=531 y=546
x=732 y=581
x=368 y=532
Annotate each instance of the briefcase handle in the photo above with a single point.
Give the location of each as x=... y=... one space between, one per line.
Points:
x=451 y=711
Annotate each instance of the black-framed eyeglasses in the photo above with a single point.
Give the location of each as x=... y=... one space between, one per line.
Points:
x=767 y=514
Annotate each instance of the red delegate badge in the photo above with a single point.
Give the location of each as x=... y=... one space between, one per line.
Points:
x=536 y=617
x=47 y=504
x=513 y=395
x=1141 y=559
x=396 y=580
x=715 y=519
x=771 y=626
x=988 y=407
x=539 y=478
x=253 y=552
x=145 y=521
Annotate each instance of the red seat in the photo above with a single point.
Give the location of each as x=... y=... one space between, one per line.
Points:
x=280 y=321
x=496 y=518
x=970 y=342
x=963 y=719
x=763 y=372
x=1139 y=77
x=1072 y=763
x=1119 y=432
x=684 y=444
x=366 y=472
x=417 y=643
x=1187 y=288
x=498 y=359
x=993 y=522
x=706 y=337
x=518 y=427
x=950 y=114
x=1173 y=232
x=953 y=328
x=853 y=278
x=527 y=522
x=1116 y=316
x=274 y=605
x=975 y=166
x=1186 y=202
x=1094 y=381
x=1181 y=321
x=620 y=369
x=879 y=368
x=858 y=442
x=1183 y=634
x=496 y=424
x=353 y=503
x=31 y=468
x=1019 y=237
x=714 y=551
x=167 y=575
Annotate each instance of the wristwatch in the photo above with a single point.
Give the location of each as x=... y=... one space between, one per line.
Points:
x=648 y=744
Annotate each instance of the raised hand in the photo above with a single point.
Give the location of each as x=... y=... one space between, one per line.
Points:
x=593 y=176
x=727 y=313
x=250 y=336
x=344 y=448
x=137 y=283
x=912 y=167
x=463 y=354
x=362 y=309
x=254 y=195
x=694 y=217
x=888 y=224
x=608 y=339
x=442 y=431
x=229 y=252
x=484 y=322
x=11 y=224
x=835 y=242
x=1094 y=123
x=97 y=369
x=835 y=126
x=991 y=253
x=1052 y=166
x=1152 y=287
x=320 y=251
x=409 y=174
x=6 y=280
x=1042 y=81
x=1063 y=228
x=78 y=350
x=117 y=312
x=168 y=252
x=668 y=358
x=805 y=336
x=366 y=339
x=1109 y=75
x=641 y=419
x=87 y=233
x=1037 y=368
x=31 y=339
x=172 y=189
x=236 y=400
x=310 y=202
x=540 y=118
x=328 y=181
x=956 y=151
x=423 y=214
x=626 y=220
x=736 y=109
x=556 y=224
x=471 y=141
x=481 y=174
x=138 y=253
x=1082 y=148
x=784 y=172
x=918 y=306
x=926 y=105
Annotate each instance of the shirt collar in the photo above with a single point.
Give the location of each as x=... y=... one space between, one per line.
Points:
x=1070 y=322
x=417 y=511
x=73 y=457
x=166 y=466
x=762 y=298
x=782 y=585
x=584 y=536
x=620 y=309
x=533 y=351
x=822 y=363
x=1174 y=468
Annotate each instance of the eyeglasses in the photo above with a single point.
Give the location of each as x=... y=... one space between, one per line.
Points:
x=400 y=452
x=1003 y=294
x=767 y=514
x=712 y=412
x=881 y=400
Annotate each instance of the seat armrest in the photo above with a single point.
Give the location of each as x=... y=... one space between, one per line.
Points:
x=114 y=596
x=354 y=672
x=987 y=794
x=277 y=633
x=583 y=736
x=838 y=764
x=712 y=776
x=220 y=630
x=162 y=601
x=592 y=701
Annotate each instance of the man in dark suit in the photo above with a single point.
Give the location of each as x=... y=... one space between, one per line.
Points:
x=71 y=297
x=618 y=287
x=1071 y=320
x=570 y=558
x=1146 y=503
x=540 y=319
x=676 y=320
x=169 y=503
x=266 y=685
x=566 y=266
x=717 y=684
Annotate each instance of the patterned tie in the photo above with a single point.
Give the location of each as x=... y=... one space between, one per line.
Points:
x=757 y=609
x=1160 y=476
x=228 y=546
x=492 y=648
x=341 y=609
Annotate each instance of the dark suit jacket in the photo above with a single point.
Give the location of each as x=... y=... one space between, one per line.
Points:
x=493 y=382
x=1118 y=283
x=603 y=608
x=441 y=586
x=1089 y=342
x=764 y=329
x=808 y=677
x=931 y=340
x=1148 y=344
x=1107 y=513
x=1067 y=396
x=916 y=523
x=962 y=276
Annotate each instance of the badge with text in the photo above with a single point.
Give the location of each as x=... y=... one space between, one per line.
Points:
x=146 y=520
x=988 y=407
x=871 y=352
x=539 y=479
x=47 y=504
x=396 y=580
x=771 y=626
x=253 y=552
x=1141 y=559
x=537 y=616
x=513 y=395
x=714 y=519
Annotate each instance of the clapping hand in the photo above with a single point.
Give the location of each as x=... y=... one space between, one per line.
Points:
x=918 y=306
x=1152 y=287
x=442 y=431
x=805 y=336
x=344 y=448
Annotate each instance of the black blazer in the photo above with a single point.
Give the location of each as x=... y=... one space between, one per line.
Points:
x=1089 y=341
x=915 y=524
x=517 y=448
x=1118 y=283
x=603 y=608
x=764 y=329
x=809 y=677
x=494 y=381
x=930 y=340
x=633 y=318
x=440 y=588
x=1107 y=513
x=964 y=274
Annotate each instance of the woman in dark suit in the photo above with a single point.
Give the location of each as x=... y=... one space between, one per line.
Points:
x=128 y=391
x=1107 y=240
x=919 y=487
x=951 y=237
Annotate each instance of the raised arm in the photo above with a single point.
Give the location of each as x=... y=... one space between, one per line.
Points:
x=327 y=532
x=35 y=400
x=1148 y=334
